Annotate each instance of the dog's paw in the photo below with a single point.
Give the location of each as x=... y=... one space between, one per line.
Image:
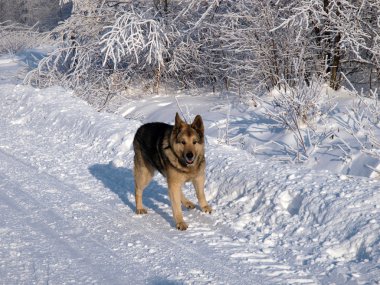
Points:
x=189 y=205
x=182 y=226
x=141 y=211
x=207 y=209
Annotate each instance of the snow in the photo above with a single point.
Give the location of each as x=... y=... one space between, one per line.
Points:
x=67 y=202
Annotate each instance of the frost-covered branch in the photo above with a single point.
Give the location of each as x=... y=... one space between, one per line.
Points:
x=134 y=38
x=247 y=47
x=15 y=37
x=363 y=122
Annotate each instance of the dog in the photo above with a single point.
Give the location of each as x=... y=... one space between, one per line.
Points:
x=178 y=153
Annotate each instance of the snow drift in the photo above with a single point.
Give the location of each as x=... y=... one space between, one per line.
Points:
x=316 y=226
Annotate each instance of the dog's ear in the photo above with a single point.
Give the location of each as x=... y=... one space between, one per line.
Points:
x=179 y=124
x=197 y=125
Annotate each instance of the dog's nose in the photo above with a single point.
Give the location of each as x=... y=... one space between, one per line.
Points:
x=189 y=155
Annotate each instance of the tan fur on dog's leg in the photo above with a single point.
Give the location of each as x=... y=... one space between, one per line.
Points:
x=175 y=198
x=199 y=183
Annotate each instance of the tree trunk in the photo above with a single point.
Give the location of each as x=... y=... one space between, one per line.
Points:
x=333 y=52
x=334 y=78
x=156 y=80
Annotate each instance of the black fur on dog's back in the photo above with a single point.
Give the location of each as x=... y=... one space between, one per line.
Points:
x=151 y=139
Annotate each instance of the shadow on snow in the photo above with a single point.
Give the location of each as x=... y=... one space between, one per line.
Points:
x=120 y=181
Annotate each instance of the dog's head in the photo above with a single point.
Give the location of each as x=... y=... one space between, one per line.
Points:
x=188 y=140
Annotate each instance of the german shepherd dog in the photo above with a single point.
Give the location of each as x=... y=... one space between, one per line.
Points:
x=177 y=152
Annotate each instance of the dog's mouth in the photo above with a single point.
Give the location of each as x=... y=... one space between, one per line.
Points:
x=189 y=158
x=189 y=161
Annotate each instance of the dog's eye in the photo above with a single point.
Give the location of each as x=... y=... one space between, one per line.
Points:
x=195 y=142
x=183 y=142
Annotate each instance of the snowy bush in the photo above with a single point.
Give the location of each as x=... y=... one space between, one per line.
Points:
x=299 y=107
x=363 y=121
x=136 y=41
x=43 y=14
x=295 y=108
x=77 y=61
x=16 y=37
x=345 y=34
x=102 y=43
x=239 y=46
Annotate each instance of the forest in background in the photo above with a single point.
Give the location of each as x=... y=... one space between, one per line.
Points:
x=241 y=45
x=261 y=73
x=45 y=14
x=299 y=52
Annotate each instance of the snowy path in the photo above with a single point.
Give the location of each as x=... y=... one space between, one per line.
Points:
x=67 y=209
x=63 y=224
x=63 y=239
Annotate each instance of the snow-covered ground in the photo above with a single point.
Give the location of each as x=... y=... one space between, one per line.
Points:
x=67 y=203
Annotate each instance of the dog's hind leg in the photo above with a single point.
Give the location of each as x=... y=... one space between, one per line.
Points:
x=143 y=174
x=186 y=202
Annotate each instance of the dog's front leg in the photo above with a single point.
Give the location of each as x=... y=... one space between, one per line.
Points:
x=175 y=198
x=199 y=185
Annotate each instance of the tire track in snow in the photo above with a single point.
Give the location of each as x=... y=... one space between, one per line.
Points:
x=55 y=228
x=206 y=253
x=36 y=214
x=224 y=240
x=145 y=232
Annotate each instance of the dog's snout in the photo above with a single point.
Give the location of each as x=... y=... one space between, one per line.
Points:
x=189 y=155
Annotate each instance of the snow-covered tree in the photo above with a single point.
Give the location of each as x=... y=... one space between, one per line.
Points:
x=15 y=11
x=240 y=45
x=43 y=13
x=344 y=33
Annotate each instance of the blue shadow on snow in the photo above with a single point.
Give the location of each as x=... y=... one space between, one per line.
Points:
x=120 y=181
